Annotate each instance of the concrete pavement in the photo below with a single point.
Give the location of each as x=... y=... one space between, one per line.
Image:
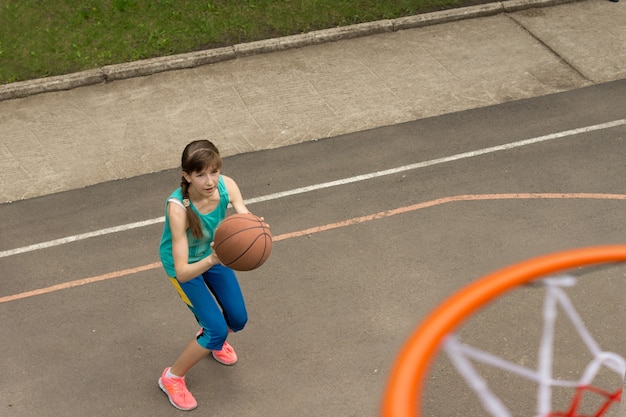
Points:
x=280 y=92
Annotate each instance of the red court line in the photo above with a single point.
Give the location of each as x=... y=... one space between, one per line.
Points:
x=79 y=282
x=344 y=223
x=444 y=200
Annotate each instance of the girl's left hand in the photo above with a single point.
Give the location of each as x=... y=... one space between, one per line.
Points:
x=264 y=224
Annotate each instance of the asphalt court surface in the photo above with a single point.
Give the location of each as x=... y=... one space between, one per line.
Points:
x=382 y=226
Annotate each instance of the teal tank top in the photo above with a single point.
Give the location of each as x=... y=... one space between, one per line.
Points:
x=198 y=248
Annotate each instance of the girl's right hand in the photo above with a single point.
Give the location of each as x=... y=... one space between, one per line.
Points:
x=213 y=259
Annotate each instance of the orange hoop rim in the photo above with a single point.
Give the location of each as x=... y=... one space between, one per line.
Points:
x=402 y=396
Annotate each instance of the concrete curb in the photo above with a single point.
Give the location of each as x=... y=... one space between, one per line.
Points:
x=194 y=59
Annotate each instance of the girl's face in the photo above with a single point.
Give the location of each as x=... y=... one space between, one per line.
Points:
x=203 y=183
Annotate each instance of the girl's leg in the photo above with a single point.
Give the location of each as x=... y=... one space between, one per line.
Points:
x=200 y=301
x=223 y=283
x=191 y=355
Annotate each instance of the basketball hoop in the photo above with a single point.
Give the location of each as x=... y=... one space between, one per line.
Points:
x=406 y=381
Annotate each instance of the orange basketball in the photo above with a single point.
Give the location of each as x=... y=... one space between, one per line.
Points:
x=242 y=242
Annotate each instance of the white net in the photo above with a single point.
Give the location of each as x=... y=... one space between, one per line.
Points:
x=464 y=357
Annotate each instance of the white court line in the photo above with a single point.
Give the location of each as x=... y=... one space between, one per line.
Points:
x=275 y=196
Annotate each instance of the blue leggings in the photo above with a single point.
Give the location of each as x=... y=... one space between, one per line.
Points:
x=216 y=300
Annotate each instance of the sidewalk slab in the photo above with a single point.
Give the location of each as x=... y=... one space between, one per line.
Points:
x=589 y=36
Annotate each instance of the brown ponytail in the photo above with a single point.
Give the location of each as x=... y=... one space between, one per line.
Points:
x=192 y=218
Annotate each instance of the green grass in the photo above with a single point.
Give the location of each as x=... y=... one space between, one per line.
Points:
x=40 y=38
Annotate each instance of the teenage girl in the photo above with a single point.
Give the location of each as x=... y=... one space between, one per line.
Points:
x=210 y=289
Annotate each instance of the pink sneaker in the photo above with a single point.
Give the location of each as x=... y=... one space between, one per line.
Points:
x=226 y=356
x=177 y=392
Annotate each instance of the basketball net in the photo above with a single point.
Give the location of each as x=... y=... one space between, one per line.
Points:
x=464 y=356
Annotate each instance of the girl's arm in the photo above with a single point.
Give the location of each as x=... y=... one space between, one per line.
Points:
x=180 y=249
x=235 y=196
x=236 y=199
